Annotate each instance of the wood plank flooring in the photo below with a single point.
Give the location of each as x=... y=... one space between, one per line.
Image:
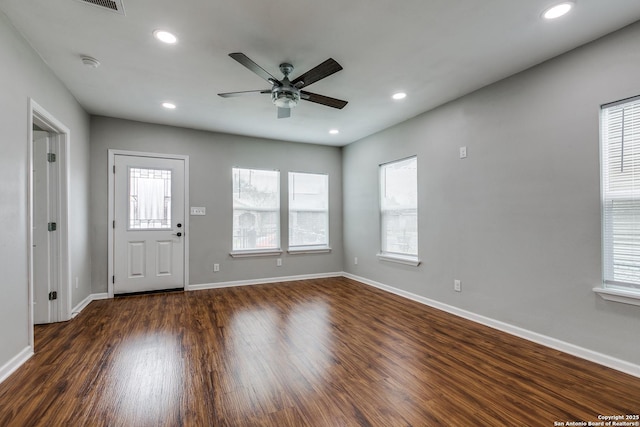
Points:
x=327 y=352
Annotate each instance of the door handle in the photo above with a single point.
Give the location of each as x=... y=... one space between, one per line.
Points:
x=177 y=234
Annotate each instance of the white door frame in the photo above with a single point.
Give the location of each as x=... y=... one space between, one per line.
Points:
x=62 y=136
x=111 y=217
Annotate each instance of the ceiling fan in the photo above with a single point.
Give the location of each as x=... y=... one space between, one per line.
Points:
x=285 y=93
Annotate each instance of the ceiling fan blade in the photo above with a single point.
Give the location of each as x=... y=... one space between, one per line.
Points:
x=324 y=100
x=319 y=72
x=246 y=92
x=244 y=60
x=284 y=113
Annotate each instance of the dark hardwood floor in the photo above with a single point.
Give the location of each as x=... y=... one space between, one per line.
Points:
x=328 y=352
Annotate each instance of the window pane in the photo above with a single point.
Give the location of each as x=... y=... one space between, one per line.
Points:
x=308 y=209
x=256 y=209
x=149 y=198
x=399 y=207
x=400 y=185
x=400 y=232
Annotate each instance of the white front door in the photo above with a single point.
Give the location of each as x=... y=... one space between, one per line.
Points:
x=149 y=227
x=45 y=241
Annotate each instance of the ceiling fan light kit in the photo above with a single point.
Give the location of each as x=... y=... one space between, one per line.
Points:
x=284 y=98
x=285 y=94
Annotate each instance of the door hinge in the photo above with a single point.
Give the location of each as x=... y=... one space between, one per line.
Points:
x=114 y=223
x=53 y=295
x=52 y=226
x=113 y=279
x=51 y=157
x=114 y=168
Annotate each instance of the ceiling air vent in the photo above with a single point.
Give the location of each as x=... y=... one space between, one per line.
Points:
x=112 y=5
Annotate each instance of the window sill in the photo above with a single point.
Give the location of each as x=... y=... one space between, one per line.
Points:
x=309 y=250
x=255 y=253
x=618 y=295
x=400 y=259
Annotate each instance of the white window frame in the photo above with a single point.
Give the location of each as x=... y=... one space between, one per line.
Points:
x=276 y=250
x=385 y=255
x=304 y=249
x=612 y=141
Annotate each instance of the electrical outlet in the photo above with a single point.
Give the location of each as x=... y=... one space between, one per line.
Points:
x=463 y=152
x=76 y=282
x=457 y=286
x=355 y=260
x=216 y=268
x=279 y=262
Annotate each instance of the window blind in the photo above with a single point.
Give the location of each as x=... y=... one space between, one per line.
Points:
x=620 y=162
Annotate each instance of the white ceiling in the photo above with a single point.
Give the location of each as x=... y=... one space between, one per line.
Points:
x=435 y=50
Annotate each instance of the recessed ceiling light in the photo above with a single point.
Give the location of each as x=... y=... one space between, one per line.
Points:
x=165 y=36
x=399 y=95
x=558 y=10
x=169 y=105
x=334 y=131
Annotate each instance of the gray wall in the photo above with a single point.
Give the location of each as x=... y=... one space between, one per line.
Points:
x=22 y=75
x=211 y=157
x=518 y=221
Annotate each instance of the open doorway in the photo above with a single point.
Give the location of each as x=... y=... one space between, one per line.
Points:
x=49 y=267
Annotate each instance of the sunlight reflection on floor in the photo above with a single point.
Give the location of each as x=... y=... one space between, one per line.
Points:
x=149 y=380
x=299 y=338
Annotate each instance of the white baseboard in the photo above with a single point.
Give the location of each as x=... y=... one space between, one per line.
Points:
x=262 y=281
x=15 y=363
x=556 y=344
x=85 y=302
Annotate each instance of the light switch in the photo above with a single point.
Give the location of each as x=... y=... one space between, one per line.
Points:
x=195 y=210
x=463 y=152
